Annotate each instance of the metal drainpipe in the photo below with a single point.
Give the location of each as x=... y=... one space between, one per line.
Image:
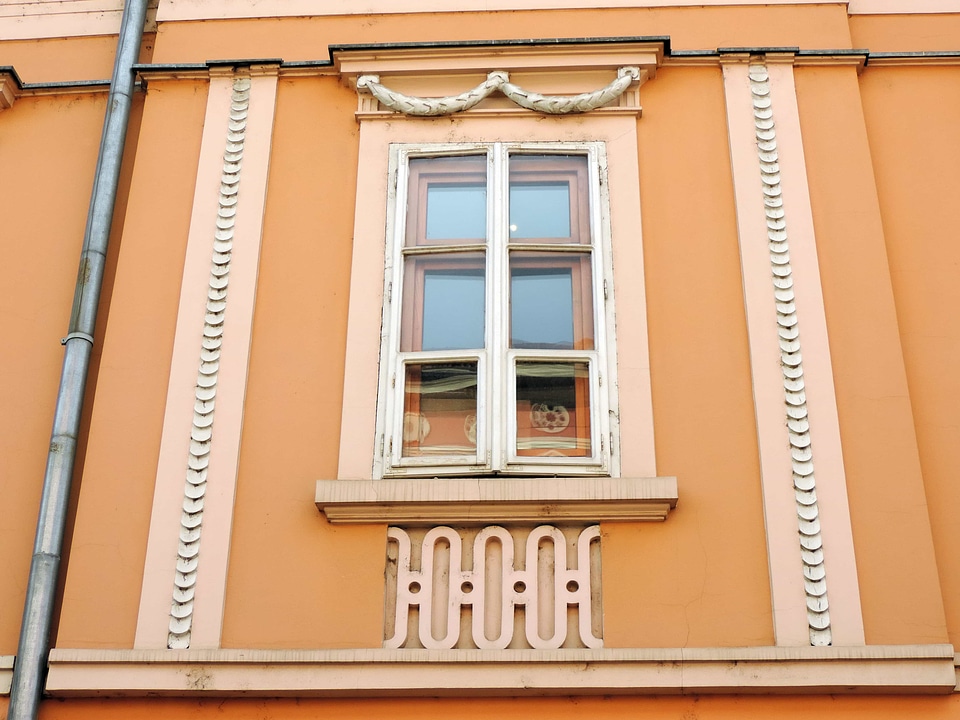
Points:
x=30 y=666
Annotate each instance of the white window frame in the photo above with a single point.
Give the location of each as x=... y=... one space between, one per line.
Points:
x=496 y=391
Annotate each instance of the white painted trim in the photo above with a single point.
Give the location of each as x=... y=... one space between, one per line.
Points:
x=499 y=500
x=905 y=669
x=179 y=10
x=6 y=673
x=162 y=543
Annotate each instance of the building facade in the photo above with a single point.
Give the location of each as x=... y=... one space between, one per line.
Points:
x=529 y=357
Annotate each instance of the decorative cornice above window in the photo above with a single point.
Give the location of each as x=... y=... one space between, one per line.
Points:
x=9 y=88
x=545 y=77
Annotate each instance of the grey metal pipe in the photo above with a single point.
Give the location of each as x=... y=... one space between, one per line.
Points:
x=29 y=670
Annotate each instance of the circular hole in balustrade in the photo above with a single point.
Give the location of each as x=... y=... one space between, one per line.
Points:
x=573 y=586
x=466 y=587
x=414 y=587
x=519 y=586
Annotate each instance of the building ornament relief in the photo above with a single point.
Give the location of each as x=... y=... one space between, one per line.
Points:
x=499 y=81
x=201 y=433
x=491 y=588
x=798 y=426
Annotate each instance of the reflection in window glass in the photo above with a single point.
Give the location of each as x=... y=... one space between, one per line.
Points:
x=456 y=212
x=539 y=210
x=452 y=310
x=541 y=308
x=440 y=409
x=553 y=409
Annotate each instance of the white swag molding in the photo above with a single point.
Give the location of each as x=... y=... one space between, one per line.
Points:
x=499 y=80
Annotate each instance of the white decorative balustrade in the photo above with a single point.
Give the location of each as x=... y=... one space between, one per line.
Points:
x=492 y=588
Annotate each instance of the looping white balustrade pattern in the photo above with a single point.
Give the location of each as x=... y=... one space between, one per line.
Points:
x=798 y=426
x=492 y=588
x=201 y=434
x=499 y=80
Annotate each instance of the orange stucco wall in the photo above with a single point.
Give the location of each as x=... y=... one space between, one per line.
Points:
x=905 y=33
x=688 y=28
x=610 y=708
x=53 y=141
x=918 y=173
x=700 y=371
x=102 y=590
x=882 y=168
x=888 y=507
x=292 y=417
x=66 y=59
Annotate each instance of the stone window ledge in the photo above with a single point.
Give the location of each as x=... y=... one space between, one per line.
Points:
x=910 y=669
x=6 y=673
x=502 y=500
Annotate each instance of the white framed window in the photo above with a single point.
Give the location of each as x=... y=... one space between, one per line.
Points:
x=497 y=319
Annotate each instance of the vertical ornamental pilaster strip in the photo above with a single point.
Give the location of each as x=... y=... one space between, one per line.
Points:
x=197 y=473
x=788 y=330
x=181 y=611
x=806 y=515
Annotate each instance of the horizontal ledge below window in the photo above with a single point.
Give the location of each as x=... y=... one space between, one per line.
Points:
x=901 y=669
x=501 y=500
x=6 y=673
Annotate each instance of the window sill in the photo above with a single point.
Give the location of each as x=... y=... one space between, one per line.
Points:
x=911 y=669
x=501 y=500
x=6 y=673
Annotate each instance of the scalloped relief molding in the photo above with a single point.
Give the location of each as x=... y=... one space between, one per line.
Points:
x=794 y=399
x=198 y=460
x=191 y=521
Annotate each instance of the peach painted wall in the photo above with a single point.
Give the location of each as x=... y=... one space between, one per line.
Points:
x=895 y=560
x=905 y=33
x=597 y=708
x=53 y=141
x=689 y=28
x=292 y=417
x=916 y=160
x=699 y=579
x=102 y=591
x=66 y=59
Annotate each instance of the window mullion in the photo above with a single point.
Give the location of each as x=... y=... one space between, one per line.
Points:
x=497 y=328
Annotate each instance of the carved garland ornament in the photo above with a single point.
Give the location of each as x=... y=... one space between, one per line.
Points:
x=181 y=611
x=499 y=80
x=798 y=426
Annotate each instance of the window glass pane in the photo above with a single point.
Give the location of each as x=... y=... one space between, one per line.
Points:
x=456 y=212
x=443 y=302
x=553 y=409
x=549 y=198
x=541 y=309
x=440 y=409
x=539 y=210
x=551 y=301
x=447 y=200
